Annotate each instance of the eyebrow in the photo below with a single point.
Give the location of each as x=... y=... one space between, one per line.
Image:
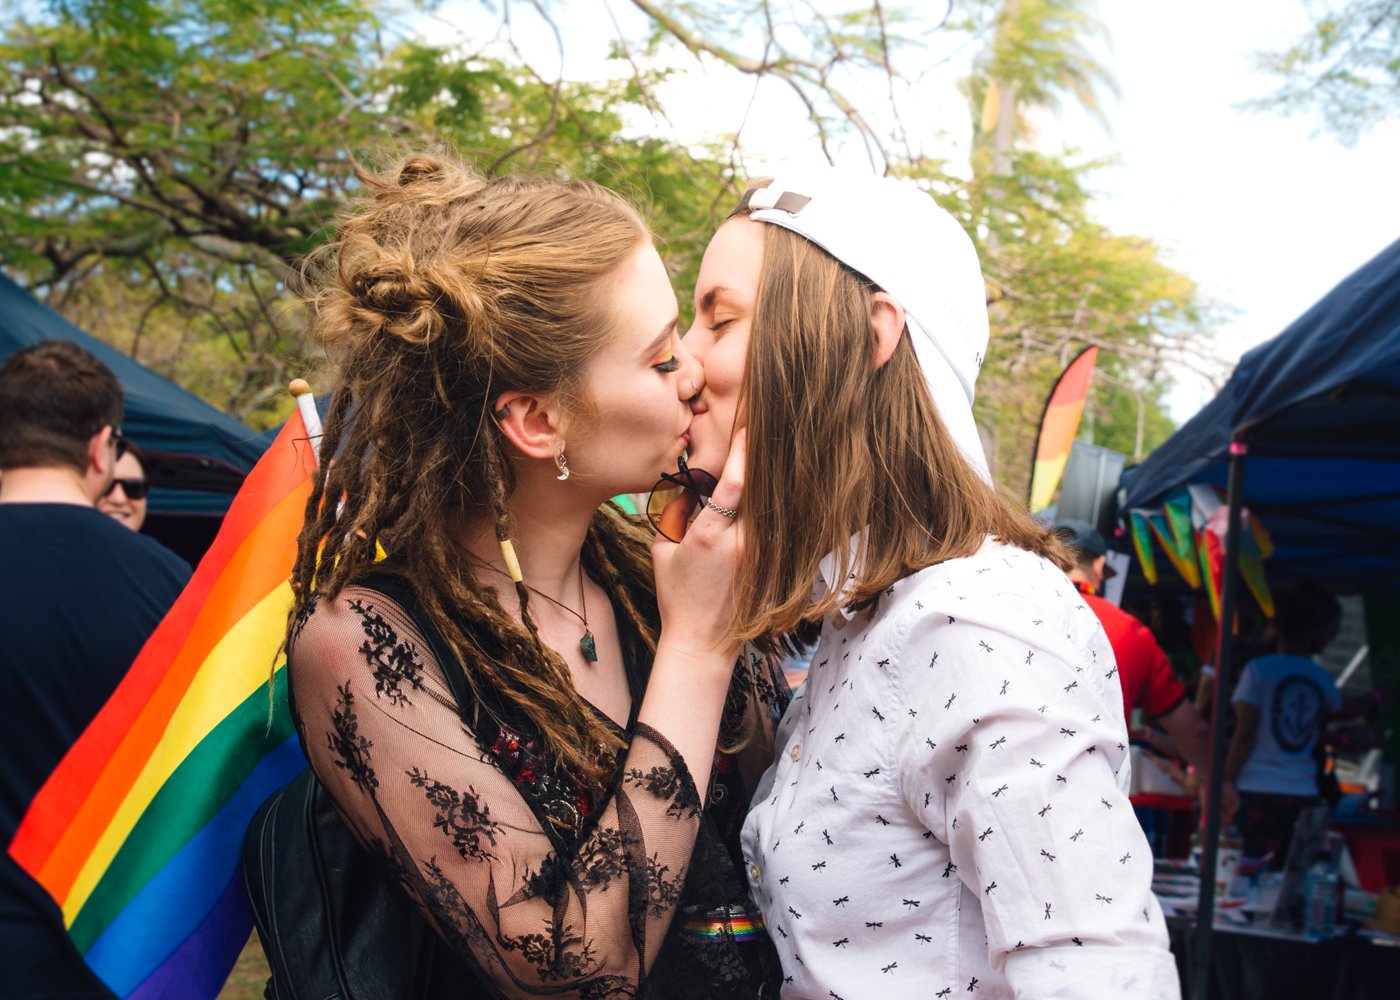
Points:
x=707 y=300
x=663 y=336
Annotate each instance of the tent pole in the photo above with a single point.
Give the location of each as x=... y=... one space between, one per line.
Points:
x=1205 y=913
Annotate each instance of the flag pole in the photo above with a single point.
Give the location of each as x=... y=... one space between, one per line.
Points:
x=1229 y=584
x=306 y=406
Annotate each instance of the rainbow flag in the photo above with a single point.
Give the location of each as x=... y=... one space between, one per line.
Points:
x=138 y=833
x=1058 y=425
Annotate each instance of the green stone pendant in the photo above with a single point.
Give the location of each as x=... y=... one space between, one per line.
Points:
x=588 y=647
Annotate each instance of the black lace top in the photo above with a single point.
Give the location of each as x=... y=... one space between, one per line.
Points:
x=541 y=886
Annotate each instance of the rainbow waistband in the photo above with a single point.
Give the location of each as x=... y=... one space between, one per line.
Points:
x=749 y=927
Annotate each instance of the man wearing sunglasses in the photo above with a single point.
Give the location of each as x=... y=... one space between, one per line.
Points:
x=79 y=595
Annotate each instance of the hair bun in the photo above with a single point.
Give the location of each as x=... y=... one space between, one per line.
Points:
x=406 y=303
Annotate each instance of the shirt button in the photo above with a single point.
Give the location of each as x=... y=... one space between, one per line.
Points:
x=796 y=752
x=755 y=872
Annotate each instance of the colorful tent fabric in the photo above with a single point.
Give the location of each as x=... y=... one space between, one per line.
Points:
x=1318 y=407
x=137 y=834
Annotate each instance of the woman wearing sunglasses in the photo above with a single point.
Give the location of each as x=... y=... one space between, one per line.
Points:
x=508 y=361
x=948 y=810
x=125 y=499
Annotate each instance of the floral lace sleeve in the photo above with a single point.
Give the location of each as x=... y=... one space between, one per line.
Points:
x=384 y=736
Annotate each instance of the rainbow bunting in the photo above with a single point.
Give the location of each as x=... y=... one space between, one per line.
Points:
x=1212 y=556
x=1058 y=425
x=1181 y=547
x=137 y=834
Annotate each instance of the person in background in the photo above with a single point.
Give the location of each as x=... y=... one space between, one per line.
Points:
x=1145 y=674
x=125 y=499
x=78 y=598
x=1280 y=703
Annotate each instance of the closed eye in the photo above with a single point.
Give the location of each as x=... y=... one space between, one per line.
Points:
x=671 y=364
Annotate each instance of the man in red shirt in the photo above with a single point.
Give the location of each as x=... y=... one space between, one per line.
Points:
x=1143 y=669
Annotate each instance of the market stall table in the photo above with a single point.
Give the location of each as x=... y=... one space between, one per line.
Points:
x=1249 y=963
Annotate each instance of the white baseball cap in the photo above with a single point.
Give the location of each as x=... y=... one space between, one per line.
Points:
x=893 y=233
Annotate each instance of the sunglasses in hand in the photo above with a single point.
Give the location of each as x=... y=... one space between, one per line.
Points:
x=675 y=497
x=135 y=489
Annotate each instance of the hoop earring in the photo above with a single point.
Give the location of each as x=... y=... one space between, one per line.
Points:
x=563 y=465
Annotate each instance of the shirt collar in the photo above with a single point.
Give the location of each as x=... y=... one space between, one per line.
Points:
x=828 y=571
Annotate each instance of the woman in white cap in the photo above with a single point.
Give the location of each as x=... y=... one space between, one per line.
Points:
x=948 y=811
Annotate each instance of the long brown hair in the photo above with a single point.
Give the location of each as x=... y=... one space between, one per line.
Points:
x=840 y=449
x=440 y=291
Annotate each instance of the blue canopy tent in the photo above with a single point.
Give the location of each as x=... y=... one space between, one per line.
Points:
x=1306 y=433
x=196 y=455
x=1318 y=408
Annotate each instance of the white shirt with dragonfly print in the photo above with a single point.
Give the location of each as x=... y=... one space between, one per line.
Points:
x=948 y=813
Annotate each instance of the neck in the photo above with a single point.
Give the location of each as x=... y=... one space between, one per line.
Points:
x=1078 y=577
x=551 y=521
x=45 y=485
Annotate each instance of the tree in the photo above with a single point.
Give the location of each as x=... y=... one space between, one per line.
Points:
x=166 y=164
x=1057 y=279
x=1345 y=68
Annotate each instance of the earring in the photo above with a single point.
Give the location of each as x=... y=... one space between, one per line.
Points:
x=563 y=464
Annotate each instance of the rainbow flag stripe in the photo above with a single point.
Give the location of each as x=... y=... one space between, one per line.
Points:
x=746 y=928
x=137 y=835
x=1058 y=425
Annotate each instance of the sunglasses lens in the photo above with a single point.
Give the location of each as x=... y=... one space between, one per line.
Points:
x=135 y=489
x=674 y=498
x=668 y=509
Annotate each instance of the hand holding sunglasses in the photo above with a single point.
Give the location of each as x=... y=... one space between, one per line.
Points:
x=695 y=579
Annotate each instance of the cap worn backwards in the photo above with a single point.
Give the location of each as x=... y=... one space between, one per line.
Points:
x=896 y=235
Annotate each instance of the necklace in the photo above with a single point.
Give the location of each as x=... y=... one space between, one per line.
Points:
x=587 y=645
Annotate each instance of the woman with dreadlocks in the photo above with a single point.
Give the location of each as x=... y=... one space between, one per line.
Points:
x=494 y=708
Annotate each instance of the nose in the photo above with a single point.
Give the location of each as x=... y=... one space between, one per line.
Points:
x=692 y=373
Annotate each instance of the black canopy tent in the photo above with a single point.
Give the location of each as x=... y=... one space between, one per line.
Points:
x=197 y=456
x=1314 y=417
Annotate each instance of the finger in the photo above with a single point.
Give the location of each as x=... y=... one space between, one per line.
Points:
x=675 y=516
x=730 y=490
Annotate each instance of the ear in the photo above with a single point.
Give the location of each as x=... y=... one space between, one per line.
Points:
x=1099 y=564
x=528 y=424
x=99 y=452
x=887 y=324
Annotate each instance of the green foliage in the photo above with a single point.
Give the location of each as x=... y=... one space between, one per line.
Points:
x=1039 y=48
x=1057 y=279
x=166 y=164
x=1345 y=68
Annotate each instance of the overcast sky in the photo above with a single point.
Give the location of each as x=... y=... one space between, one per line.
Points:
x=1265 y=213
